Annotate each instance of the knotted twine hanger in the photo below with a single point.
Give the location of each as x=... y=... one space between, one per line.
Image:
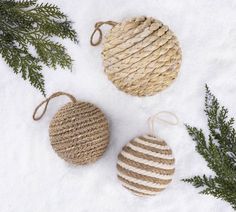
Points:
x=46 y=101
x=152 y=119
x=97 y=29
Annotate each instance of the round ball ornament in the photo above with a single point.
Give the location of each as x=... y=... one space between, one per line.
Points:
x=146 y=165
x=78 y=132
x=141 y=56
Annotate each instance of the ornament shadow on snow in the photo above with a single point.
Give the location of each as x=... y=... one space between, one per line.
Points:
x=141 y=56
x=79 y=131
x=146 y=164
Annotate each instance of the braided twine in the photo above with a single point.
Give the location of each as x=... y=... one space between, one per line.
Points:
x=141 y=56
x=78 y=132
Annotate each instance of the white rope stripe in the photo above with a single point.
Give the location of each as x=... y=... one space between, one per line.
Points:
x=144 y=172
x=138 y=189
x=141 y=182
x=147 y=162
x=138 y=140
x=140 y=195
x=148 y=152
x=150 y=137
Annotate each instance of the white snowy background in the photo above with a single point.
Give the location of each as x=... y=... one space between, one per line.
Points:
x=34 y=179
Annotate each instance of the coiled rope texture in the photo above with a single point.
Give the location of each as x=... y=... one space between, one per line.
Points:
x=78 y=132
x=141 y=56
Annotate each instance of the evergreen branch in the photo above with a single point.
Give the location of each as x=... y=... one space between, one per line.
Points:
x=53 y=54
x=26 y=24
x=219 y=150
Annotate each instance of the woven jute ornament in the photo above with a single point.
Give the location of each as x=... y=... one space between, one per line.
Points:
x=78 y=131
x=146 y=164
x=141 y=56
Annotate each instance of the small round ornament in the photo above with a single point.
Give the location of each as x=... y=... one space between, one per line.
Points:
x=141 y=56
x=146 y=164
x=78 y=132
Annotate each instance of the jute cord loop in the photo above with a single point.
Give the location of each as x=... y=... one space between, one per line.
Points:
x=152 y=119
x=97 y=29
x=46 y=102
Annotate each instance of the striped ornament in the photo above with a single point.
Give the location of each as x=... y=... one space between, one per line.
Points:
x=145 y=165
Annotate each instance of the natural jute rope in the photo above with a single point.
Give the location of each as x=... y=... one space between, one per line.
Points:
x=78 y=132
x=141 y=56
x=146 y=164
x=97 y=29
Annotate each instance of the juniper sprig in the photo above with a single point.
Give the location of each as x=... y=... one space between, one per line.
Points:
x=219 y=150
x=27 y=25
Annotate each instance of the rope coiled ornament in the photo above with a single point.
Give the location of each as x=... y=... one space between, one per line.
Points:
x=141 y=56
x=78 y=132
x=146 y=164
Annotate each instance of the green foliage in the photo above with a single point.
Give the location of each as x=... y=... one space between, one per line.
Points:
x=27 y=25
x=219 y=150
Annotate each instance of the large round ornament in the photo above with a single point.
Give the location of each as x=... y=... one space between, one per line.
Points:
x=146 y=165
x=78 y=131
x=141 y=56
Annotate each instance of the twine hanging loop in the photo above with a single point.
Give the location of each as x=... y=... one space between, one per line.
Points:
x=152 y=119
x=97 y=29
x=46 y=101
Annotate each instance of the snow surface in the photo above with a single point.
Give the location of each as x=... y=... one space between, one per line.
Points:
x=34 y=179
